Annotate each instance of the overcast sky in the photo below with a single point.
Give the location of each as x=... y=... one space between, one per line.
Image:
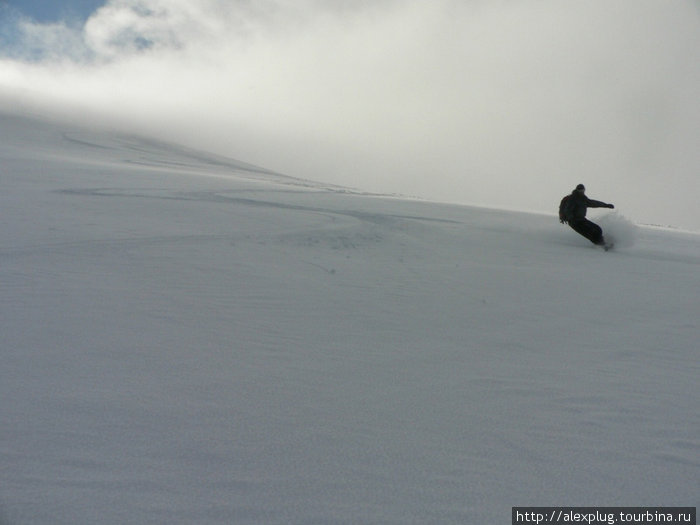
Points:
x=490 y=102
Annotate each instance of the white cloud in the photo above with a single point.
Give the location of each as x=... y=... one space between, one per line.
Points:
x=497 y=103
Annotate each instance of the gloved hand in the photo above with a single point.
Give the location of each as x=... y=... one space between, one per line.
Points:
x=611 y=206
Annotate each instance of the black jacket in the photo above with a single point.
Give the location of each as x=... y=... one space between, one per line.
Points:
x=573 y=207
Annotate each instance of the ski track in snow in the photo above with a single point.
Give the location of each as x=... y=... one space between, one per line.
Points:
x=190 y=339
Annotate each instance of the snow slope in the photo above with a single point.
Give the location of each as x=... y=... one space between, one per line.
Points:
x=187 y=339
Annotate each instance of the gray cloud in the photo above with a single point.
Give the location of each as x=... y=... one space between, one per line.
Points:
x=504 y=104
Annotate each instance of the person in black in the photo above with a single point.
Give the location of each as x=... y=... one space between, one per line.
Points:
x=572 y=211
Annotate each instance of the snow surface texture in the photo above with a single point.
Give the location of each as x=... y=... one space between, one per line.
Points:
x=187 y=339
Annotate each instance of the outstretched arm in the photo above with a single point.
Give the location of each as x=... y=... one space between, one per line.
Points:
x=598 y=204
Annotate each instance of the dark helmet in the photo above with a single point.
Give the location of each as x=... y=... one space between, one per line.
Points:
x=580 y=187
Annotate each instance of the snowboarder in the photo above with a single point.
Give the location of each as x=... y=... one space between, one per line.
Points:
x=572 y=211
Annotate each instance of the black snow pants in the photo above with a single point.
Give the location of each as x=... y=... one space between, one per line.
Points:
x=590 y=230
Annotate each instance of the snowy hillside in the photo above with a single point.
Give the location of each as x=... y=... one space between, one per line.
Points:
x=187 y=339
